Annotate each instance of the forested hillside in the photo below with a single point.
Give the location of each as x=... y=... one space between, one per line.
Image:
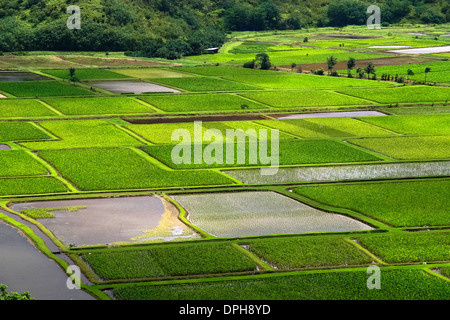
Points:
x=171 y=28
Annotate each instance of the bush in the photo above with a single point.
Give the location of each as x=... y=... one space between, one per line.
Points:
x=250 y=64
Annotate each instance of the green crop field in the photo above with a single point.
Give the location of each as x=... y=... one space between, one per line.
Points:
x=415 y=284
x=115 y=169
x=306 y=98
x=419 y=246
x=401 y=204
x=21 y=131
x=243 y=183
x=19 y=163
x=408 y=148
x=401 y=94
x=165 y=261
x=21 y=108
x=291 y=253
x=86 y=74
x=201 y=102
x=42 y=89
x=97 y=106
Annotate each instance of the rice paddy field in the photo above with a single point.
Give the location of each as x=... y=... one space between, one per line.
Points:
x=275 y=184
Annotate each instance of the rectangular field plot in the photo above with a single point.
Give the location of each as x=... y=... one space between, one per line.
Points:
x=201 y=102
x=298 y=81
x=401 y=94
x=240 y=214
x=419 y=246
x=42 y=89
x=290 y=152
x=19 y=163
x=223 y=71
x=400 y=204
x=86 y=74
x=306 y=98
x=83 y=134
x=343 y=173
x=350 y=285
x=98 y=106
x=408 y=148
x=204 y=84
x=21 y=131
x=116 y=169
x=327 y=127
x=150 y=73
x=30 y=186
x=165 y=261
x=414 y=124
x=102 y=220
x=23 y=108
x=298 y=252
x=131 y=87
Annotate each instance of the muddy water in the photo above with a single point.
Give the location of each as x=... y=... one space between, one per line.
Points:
x=103 y=221
x=21 y=76
x=332 y=115
x=24 y=268
x=131 y=87
x=4 y=147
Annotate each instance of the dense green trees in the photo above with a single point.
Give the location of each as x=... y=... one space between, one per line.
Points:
x=174 y=28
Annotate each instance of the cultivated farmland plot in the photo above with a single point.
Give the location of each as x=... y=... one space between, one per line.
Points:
x=88 y=171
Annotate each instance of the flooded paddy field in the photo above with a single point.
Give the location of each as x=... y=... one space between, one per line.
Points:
x=342 y=173
x=240 y=214
x=106 y=221
x=24 y=268
x=5 y=147
x=423 y=50
x=135 y=87
x=21 y=76
x=345 y=114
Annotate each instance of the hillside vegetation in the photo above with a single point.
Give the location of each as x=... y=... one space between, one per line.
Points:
x=170 y=29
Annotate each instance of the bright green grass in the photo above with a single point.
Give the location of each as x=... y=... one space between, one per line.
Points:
x=19 y=163
x=21 y=108
x=86 y=74
x=223 y=71
x=415 y=67
x=401 y=94
x=408 y=148
x=97 y=106
x=116 y=169
x=204 y=84
x=30 y=186
x=414 y=284
x=289 y=253
x=160 y=132
x=163 y=261
x=200 y=102
x=279 y=80
x=423 y=246
x=439 y=77
x=414 y=124
x=83 y=134
x=46 y=213
x=20 y=131
x=401 y=204
x=305 y=98
x=150 y=73
x=290 y=152
x=42 y=89
x=326 y=127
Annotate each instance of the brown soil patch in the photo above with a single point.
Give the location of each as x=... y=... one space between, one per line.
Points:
x=109 y=62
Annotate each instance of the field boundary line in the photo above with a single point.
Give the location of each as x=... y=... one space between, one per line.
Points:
x=148 y=105
x=45 y=104
x=358 y=246
x=435 y=274
x=131 y=134
x=254 y=258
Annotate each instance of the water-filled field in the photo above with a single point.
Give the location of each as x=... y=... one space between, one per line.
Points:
x=240 y=214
